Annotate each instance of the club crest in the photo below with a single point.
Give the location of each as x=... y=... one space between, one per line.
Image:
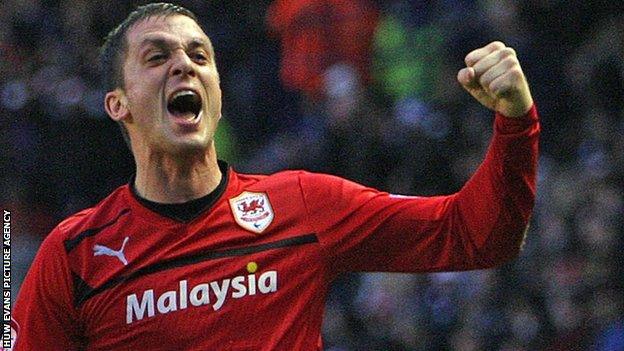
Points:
x=252 y=211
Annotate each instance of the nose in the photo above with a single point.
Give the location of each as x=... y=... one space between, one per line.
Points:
x=182 y=65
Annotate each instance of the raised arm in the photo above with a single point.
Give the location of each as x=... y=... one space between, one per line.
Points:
x=481 y=226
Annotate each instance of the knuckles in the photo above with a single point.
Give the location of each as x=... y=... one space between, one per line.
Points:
x=497 y=45
x=516 y=71
x=497 y=48
x=510 y=83
x=507 y=52
x=498 y=73
x=510 y=62
x=505 y=60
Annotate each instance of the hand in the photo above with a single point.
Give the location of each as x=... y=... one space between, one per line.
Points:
x=494 y=77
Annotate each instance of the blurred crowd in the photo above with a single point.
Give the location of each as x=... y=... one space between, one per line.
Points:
x=365 y=90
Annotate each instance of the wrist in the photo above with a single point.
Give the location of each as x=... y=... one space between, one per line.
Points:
x=512 y=125
x=516 y=109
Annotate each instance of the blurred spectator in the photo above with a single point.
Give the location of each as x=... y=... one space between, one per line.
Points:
x=318 y=34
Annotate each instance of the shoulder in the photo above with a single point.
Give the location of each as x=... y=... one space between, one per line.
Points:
x=297 y=178
x=109 y=209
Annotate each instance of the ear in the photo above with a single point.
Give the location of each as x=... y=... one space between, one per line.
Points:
x=116 y=105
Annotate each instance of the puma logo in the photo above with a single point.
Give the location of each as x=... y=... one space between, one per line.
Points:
x=103 y=250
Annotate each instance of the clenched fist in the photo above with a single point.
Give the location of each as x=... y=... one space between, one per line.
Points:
x=494 y=77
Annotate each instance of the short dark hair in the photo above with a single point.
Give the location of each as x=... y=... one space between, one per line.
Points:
x=112 y=53
x=114 y=48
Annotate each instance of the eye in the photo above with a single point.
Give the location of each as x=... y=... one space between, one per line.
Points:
x=200 y=57
x=156 y=57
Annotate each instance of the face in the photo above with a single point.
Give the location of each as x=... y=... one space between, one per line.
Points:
x=171 y=100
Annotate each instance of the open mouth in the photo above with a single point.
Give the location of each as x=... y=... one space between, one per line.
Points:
x=185 y=103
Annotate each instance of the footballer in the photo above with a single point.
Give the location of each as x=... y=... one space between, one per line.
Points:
x=192 y=255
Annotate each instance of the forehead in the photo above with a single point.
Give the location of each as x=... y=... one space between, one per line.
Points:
x=175 y=28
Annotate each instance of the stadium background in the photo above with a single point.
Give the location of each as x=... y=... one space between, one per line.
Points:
x=367 y=92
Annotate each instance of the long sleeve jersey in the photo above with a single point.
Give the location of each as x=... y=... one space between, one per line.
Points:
x=252 y=271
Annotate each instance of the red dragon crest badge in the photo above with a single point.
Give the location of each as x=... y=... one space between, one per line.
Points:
x=252 y=211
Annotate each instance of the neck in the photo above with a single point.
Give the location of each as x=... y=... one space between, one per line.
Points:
x=167 y=178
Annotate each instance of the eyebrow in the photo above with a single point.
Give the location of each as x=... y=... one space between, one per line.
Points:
x=199 y=42
x=157 y=42
x=164 y=43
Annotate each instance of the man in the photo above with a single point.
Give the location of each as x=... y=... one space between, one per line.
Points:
x=194 y=256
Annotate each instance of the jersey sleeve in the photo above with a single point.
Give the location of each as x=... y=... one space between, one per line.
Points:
x=44 y=308
x=481 y=226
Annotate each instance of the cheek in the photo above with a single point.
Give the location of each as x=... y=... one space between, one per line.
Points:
x=214 y=89
x=145 y=95
x=210 y=78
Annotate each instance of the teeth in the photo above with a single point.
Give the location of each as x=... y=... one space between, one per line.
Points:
x=182 y=93
x=190 y=116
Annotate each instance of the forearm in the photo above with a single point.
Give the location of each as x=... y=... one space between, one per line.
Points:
x=495 y=205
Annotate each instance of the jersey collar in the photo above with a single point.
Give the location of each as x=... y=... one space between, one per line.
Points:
x=187 y=211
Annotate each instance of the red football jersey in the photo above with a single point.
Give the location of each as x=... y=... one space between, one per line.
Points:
x=252 y=272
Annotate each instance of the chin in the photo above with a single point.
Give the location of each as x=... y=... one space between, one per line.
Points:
x=189 y=146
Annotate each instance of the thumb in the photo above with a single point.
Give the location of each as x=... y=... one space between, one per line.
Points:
x=467 y=77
